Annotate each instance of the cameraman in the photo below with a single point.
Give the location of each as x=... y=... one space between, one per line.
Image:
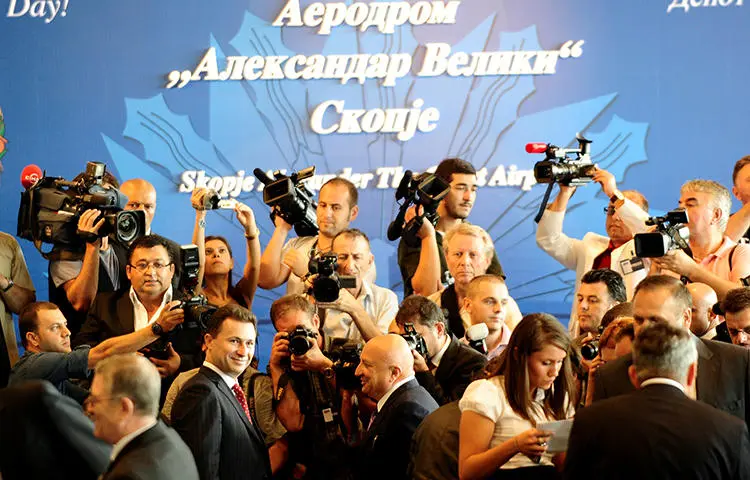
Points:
x=424 y=270
x=217 y=262
x=305 y=396
x=615 y=251
x=75 y=281
x=713 y=259
x=287 y=262
x=365 y=311
x=449 y=365
x=150 y=269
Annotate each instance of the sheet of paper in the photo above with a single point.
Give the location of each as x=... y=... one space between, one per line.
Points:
x=560 y=433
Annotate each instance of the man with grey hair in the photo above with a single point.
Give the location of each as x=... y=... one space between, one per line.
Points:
x=713 y=259
x=124 y=404
x=723 y=378
x=668 y=434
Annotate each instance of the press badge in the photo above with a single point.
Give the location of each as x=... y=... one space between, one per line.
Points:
x=631 y=265
x=327 y=415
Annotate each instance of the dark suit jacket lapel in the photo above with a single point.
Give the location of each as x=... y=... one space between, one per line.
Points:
x=392 y=400
x=224 y=389
x=708 y=373
x=448 y=359
x=125 y=314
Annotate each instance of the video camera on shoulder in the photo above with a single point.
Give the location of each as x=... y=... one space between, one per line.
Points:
x=51 y=207
x=671 y=234
x=328 y=283
x=414 y=340
x=291 y=200
x=425 y=190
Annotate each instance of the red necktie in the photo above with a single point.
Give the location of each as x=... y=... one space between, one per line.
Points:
x=240 y=395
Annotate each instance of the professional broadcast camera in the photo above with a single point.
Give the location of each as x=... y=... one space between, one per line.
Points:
x=327 y=284
x=196 y=307
x=50 y=210
x=345 y=356
x=425 y=190
x=415 y=340
x=291 y=200
x=671 y=233
x=301 y=340
x=566 y=166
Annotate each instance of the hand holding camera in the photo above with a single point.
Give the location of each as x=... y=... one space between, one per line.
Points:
x=89 y=225
x=345 y=303
x=420 y=363
x=296 y=261
x=171 y=316
x=676 y=261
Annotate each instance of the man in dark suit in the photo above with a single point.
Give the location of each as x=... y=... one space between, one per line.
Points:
x=448 y=366
x=124 y=404
x=211 y=412
x=45 y=434
x=150 y=269
x=658 y=431
x=387 y=375
x=723 y=370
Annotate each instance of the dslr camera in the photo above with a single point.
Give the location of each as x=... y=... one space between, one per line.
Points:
x=291 y=200
x=425 y=190
x=196 y=307
x=671 y=233
x=345 y=356
x=50 y=210
x=414 y=340
x=301 y=340
x=567 y=166
x=590 y=350
x=328 y=283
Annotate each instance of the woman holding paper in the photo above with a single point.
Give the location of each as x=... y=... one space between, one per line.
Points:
x=216 y=260
x=530 y=383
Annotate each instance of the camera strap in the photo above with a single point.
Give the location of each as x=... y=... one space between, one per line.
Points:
x=545 y=199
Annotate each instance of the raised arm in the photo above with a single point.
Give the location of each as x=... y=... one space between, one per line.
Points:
x=251 y=273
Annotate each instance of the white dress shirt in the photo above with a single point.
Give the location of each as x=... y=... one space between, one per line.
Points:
x=664 y=381
x=380 y=304
x=140 y=315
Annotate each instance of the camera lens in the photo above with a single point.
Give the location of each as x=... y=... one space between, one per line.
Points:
x=126 y=227
x=299 y=345
x=590 y=350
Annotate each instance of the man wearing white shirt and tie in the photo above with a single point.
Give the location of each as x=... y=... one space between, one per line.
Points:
x=211 y=412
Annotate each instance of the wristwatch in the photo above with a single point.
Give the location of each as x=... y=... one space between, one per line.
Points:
x=10 y=285
x=157 y=329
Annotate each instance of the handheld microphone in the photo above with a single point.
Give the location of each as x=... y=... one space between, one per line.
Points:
x=30 y=175
x=536 y=147
x=476 y=335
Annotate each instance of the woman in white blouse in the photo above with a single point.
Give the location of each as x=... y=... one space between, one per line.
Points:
x=531 y=382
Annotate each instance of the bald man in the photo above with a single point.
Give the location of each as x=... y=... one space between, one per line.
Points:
x=704 y=321
x=386 y=370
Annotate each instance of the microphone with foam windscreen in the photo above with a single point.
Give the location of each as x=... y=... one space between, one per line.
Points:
x=30 y=175
x=536 y=147
x=476 y=335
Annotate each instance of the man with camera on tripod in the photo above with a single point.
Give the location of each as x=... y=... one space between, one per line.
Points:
x=306 y=398
x=288 y=262
x=616 y=251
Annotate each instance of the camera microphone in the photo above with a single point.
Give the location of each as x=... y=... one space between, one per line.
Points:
x=261 y=175
x=30 y=175
x=476 y=335
x=536 y=147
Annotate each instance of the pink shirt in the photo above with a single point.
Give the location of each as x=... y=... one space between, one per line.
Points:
x=718 y=262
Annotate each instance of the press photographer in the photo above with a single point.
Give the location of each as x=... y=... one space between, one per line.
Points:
x=712 y=257
x=625 y=215
x=444 y=366
x=292 y=207
x=150 y=268
x=89 y=232
x=306 y=398
x=361 y=311
x=424 y=269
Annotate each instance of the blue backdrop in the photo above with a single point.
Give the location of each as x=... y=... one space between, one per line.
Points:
x=659 y=92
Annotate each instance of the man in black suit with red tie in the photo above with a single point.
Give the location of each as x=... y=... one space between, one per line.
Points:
x=124 y=404
x=211 y=412
x=386 y=370
x=658 y=431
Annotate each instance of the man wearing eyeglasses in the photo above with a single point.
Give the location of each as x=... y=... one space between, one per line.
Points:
x=616 y=251
x=150 y=270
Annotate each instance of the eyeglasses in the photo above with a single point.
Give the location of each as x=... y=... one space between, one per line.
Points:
x=92 y=400
x=610 y=210
x=142 y=267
